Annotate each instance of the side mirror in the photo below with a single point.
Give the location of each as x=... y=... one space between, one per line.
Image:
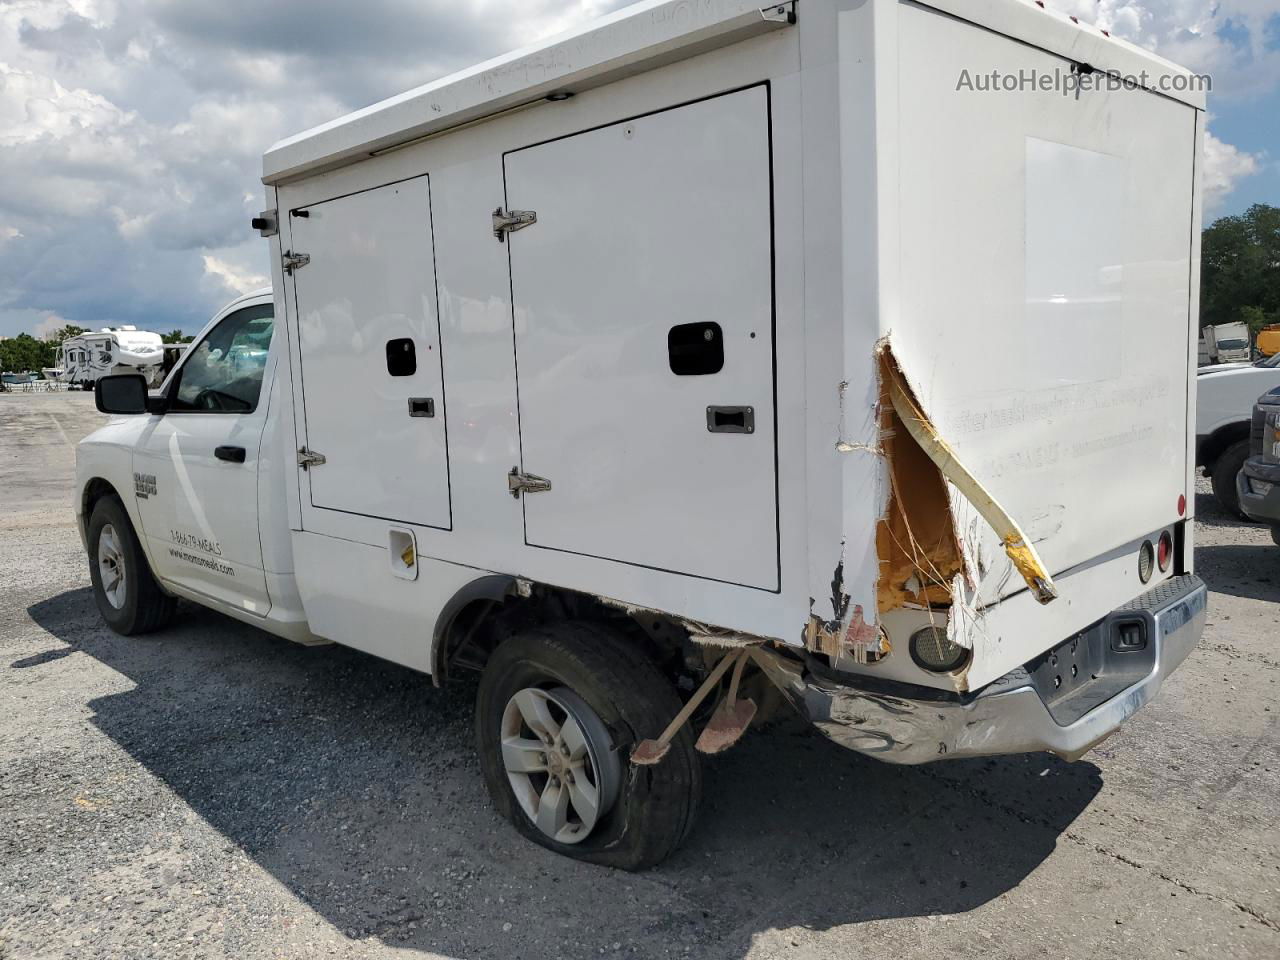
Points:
x=123 y=393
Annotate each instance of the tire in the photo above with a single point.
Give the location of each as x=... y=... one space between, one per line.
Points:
x=655 y=806
x=1225 y=470
x=136 y=604
x=1275 y=535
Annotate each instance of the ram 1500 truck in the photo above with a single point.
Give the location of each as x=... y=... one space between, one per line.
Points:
x=648 y=372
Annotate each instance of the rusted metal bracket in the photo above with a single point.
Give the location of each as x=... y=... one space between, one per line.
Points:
x=651 y=751
x=731 y=717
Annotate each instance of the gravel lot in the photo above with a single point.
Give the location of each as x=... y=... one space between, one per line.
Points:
x=213 y=791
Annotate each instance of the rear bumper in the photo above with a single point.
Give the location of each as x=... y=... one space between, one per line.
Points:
x=1262 y=507
x=1011 y=715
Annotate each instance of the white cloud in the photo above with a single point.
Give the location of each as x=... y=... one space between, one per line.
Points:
x=135 y=129
x=1223 y=166
x=235 y=278
x=48 y=326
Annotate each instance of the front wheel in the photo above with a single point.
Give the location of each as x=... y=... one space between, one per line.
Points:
x=128 y=596
x=1225 y=470
x=558 y=712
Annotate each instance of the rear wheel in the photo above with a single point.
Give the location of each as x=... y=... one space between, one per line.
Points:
x=558 y=712
x=128 y=596
x=1225 y=470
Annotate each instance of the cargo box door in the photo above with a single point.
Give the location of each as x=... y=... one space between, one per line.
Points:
x=369 y=349
x=643 y=310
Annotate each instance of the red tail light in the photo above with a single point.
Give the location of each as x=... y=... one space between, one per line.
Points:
x=1164 y=551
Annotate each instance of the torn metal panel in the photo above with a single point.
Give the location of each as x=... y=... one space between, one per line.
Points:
x=928 y=549
x=916 y=542
x=1017 y=544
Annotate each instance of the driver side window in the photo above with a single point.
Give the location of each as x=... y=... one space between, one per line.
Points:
x=223 y=372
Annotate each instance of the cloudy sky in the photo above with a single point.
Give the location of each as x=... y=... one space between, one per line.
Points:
x=131 y=131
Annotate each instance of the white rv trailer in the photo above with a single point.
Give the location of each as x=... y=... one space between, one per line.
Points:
x=88 y=357
x=653 y=364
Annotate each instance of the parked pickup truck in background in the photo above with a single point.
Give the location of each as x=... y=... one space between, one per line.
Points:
x=1259 y=481
x=1225 y=396
x=645 y=373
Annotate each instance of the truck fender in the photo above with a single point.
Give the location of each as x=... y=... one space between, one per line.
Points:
x=492 y=588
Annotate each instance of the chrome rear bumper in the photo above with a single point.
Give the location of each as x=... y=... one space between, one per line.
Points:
x=1010 y=715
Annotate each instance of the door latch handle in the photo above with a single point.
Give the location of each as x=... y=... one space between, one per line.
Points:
x=518 y=483
x=422 y=407
x=230 y=454
x=731 y=419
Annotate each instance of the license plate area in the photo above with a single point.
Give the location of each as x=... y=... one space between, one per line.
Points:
x=1096 y=664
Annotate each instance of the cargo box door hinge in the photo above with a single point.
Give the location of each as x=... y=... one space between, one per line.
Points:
x=309 y=458
x=292 y=261
x=518 y=483
x=509 y=221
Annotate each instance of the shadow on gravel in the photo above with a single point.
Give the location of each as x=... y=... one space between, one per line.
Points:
x=1242 y=570
x=354 y=783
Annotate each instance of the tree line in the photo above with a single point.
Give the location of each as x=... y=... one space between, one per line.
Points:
x=25 y=353
x=1240 y=269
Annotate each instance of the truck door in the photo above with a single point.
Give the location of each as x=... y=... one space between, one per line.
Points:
x=369 y=349
x=642 y=300
x=196 y=468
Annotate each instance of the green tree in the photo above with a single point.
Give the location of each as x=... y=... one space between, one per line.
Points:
x=66 y=333
x=25 y=352
x=175 y=336
x=1240 y=269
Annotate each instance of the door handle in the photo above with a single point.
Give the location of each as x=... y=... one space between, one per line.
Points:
x=230 y=454
x=731 y=419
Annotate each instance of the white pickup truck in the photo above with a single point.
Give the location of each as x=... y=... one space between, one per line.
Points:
x=647 y=372
x=1225 y=396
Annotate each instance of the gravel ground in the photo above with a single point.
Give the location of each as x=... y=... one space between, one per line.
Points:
x=212 y=791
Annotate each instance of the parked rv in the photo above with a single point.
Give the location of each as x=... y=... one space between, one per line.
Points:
x=90 y=356
x=643 y=372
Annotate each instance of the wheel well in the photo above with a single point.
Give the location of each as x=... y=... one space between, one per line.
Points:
x=492 y=609
x=1212 y=446
x=95 y=490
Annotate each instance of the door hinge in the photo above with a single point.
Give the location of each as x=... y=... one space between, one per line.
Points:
x=292 y=261
x=309 y=458
x=784 y=12
x=518 y=483
x=509 y=221
x=266 y=223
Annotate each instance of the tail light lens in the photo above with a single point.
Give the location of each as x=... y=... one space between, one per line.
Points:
x=1146 y=561
x=1164 y=551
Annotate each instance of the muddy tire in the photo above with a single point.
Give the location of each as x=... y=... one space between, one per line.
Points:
x=597 y=683
x=128 y=596
x=1225 y=469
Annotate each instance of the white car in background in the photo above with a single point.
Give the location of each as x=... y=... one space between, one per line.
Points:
x=1225 y=396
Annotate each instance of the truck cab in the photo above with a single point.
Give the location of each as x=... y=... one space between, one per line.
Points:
x=195 y=478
